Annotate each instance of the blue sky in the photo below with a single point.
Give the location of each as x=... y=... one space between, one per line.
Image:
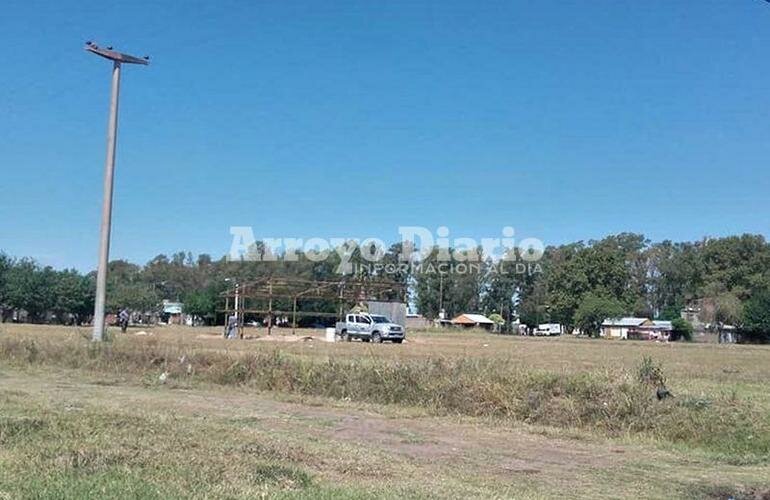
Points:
x=567 y=120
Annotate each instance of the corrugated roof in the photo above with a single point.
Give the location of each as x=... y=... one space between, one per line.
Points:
x=473 y=318
x=172 y=307
x=627 y=321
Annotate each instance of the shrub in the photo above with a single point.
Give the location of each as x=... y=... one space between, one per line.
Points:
x=681 y=329
x=650 y=373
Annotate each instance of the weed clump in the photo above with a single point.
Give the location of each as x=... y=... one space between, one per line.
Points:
x=651 y=373
x=18 y=427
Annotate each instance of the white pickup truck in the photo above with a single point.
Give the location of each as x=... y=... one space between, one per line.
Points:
x=370 y=327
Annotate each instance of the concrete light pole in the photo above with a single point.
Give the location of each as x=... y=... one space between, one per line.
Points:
x=441 y=313
x=109 y=171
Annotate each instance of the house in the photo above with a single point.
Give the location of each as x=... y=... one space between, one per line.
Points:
x=172 y=312
x=692 y=314
x=728 y=334
x=658 y=330
x=617 y=328
x=473 y=320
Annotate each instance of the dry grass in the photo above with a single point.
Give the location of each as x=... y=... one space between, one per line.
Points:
x=577 y=386
x=719 y=408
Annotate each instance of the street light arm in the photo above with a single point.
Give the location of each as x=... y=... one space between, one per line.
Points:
x=115 y=55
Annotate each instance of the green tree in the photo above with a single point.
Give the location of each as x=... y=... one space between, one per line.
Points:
x=73 y=295
x=722 y=308
x=670 y=313
x=531 y=301
x=614 y=267
x=6 y=263
x=502 y=287
x=593 y=310
x=675 y=276
x=455 y=285
x=498 y=321
x=756 y=317
x=133 y=296
x=30 y=288
x=681 y=329
x=566 y=282
x=736 y=264
x=202 y=304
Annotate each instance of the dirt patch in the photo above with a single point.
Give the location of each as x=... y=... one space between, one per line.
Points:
x=340 y=441
x=266 y=338
x=486 y=449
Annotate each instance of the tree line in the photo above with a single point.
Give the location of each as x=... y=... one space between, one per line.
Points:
x=66 y=296
x=577 y=284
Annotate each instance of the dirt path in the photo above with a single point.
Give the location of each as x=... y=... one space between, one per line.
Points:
x=474 y=448
x=429 y=438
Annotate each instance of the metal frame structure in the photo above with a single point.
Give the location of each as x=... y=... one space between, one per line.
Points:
x=252 y=297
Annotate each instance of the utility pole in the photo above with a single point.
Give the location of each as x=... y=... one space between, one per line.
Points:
x=441 y=296
x=117 y=59
x=237 y=307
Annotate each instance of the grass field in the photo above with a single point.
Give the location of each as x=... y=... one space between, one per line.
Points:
x=181 y=412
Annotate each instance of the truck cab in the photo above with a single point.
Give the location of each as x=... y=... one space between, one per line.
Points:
x=370 y=328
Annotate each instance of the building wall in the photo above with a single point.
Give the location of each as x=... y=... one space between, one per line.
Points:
x=417 y=322
x=615 y=332
x=395 y=311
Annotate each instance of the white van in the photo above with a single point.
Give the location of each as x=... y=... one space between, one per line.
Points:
x=548 y=329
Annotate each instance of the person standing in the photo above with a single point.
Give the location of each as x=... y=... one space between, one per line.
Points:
x=231 y=328
x=123 y=317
